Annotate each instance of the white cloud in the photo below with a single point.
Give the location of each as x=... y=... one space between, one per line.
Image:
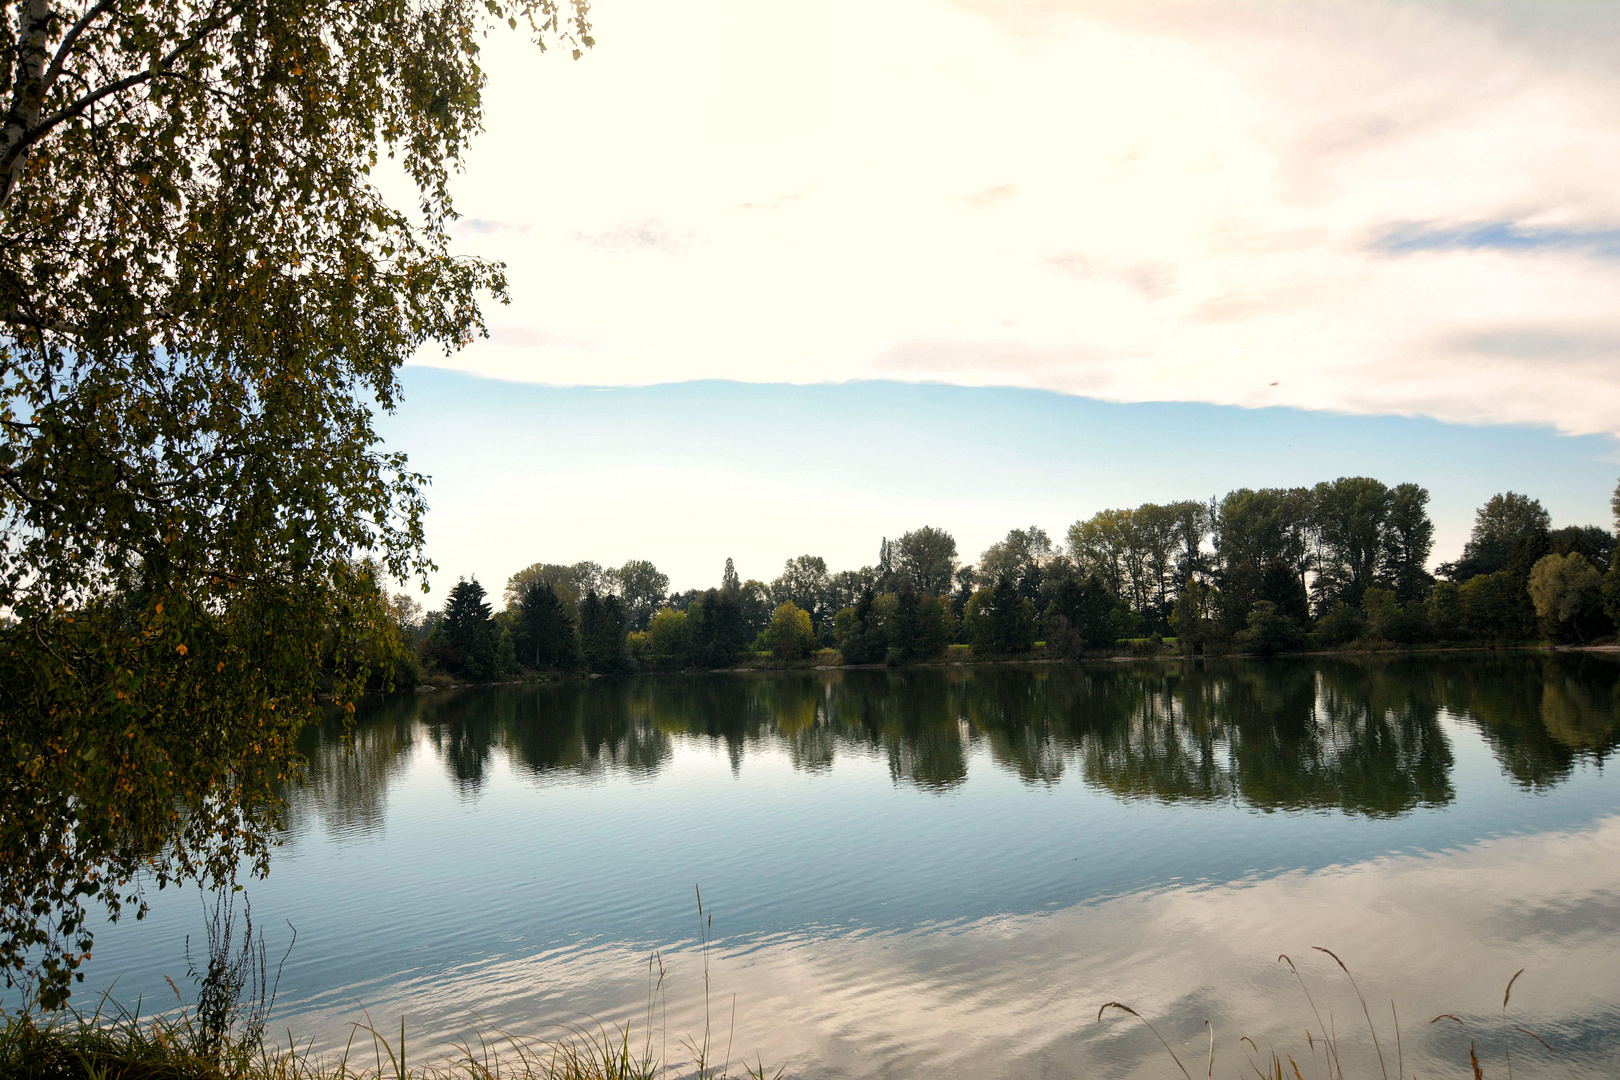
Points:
x=1142 y=201
x=632 y=237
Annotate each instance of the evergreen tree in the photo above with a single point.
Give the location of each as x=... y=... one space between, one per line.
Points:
x=544 y=634
x=904 y=626
x=467 y=630
x=603 y=633
x=861 y=637
x=719 y=633
x=1087 y=606
x=935 y=626
x=1000 y=621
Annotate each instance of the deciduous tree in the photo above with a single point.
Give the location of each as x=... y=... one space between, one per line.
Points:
x=1568 y=594
x=203 y=296
x=1351 y=514
x=1509 y=527
x=1408 y=543
x=1018 y=558
x=643 y=588
x=926 y=558
x=790 y=635
x=806 y=584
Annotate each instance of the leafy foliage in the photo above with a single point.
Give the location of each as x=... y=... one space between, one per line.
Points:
x=918 y=628
x=1568 y=594
x=1507 y=528
x=790 y=635
x=925 y=558
x=999 y=621
x=1268 y=631
x=203 y=295
x=643 y=587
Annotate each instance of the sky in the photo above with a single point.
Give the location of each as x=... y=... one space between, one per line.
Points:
x=688 y=474
x=1390 y=223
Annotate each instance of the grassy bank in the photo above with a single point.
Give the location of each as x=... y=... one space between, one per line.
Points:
x=71 y=1046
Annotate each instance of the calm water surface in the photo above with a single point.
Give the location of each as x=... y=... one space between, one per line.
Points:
x=944 y=873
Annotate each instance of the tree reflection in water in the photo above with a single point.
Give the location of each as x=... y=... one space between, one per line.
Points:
x=1355 y=736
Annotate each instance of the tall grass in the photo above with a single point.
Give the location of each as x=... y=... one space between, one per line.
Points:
x=1322 y=1055
x=121 y=1046
x=222 y=1036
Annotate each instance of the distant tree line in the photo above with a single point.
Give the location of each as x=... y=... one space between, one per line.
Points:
x=1264 y=571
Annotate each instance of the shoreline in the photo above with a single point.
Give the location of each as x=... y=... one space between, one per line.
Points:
x=1017 y=661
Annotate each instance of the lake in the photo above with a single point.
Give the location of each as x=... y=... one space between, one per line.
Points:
x=945 y=872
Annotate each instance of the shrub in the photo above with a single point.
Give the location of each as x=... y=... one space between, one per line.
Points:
x=1268 y=631
x=1390 y=620
x=1340 y=626
x=1446 y=610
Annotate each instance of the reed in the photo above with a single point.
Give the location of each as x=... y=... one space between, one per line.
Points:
x=1322 y=1057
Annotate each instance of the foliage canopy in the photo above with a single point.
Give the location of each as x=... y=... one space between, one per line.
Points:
x=203 y=295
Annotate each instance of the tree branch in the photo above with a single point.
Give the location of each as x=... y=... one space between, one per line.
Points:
x=24 y=127
x=72 y=36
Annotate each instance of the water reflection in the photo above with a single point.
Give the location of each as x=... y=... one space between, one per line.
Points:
x=348 y=778
x=1359 y=737
x=1539 y=727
